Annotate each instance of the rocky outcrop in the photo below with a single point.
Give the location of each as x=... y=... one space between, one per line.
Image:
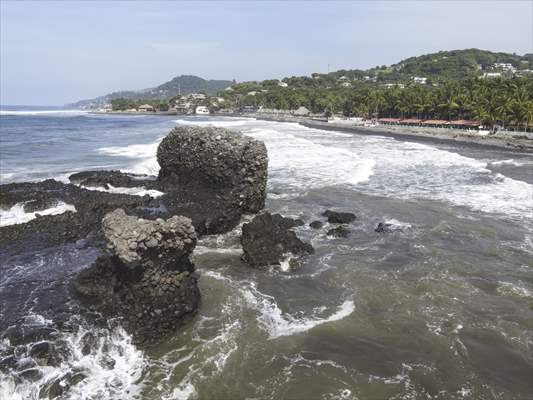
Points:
x=212 y=175
x=148 y=278
x=268 y=239
x=335 y=217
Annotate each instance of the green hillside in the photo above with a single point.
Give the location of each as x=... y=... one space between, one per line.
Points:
x=183 y=84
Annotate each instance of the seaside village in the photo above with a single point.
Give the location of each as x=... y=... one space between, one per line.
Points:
x=202 y=104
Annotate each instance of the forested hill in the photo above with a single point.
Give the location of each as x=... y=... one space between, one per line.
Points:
x=437 y=67
x=183 y=84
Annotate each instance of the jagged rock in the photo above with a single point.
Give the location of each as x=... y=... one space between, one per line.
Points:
x=137 y=241
x=149 y=279
x=316 y=224
x=212 y=175
x=267 y=239
x=340 y=231
x=335 y=217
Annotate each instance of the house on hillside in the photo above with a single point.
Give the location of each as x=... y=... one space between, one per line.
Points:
x=420 y=80
x=282 y=84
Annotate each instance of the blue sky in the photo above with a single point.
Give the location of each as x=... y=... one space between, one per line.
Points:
x=57 y=52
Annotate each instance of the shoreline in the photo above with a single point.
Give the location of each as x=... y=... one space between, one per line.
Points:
x=500 y=141
x=418 y=134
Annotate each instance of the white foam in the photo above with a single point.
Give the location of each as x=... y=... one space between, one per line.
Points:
x=42 y=112
x=145 y=154
x=222 y=122
x=17 y=215
x=278 y=324
x=300 y=164
x=113 y=369
x=134 y=191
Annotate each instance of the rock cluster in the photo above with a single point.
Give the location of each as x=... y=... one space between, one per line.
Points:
x=148 y=279
x=268 y=239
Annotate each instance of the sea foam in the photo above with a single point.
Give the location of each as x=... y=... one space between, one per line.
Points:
x=17 y=215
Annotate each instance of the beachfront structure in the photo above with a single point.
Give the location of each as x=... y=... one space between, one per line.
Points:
x=433 y=123
x=146 y=108
x=302 y=111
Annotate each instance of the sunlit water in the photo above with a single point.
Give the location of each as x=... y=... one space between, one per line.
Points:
x=440 y=309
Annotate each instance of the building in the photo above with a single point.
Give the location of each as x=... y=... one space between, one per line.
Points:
x=507 y=67
x=282 y=84
x=302 y=111
x=420 y=79
x=346 y=84
x=202 y=110
x=492 y=74
x=146 y=108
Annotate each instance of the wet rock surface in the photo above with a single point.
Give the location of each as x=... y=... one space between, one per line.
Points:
x=268 y=239
x=69 y=226
x=114 y=178
x=339 y=232
x=147 y=279
x=335 y=217
x=316 y=224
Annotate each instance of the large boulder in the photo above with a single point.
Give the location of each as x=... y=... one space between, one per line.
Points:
x=212 y=175
x=268 y=240
x=148 y=279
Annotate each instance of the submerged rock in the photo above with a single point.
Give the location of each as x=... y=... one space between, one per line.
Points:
x=340 y=231
x=335 y=217
x=267 y=239
x=316 y=224
x=148 y=280
x=212 y=175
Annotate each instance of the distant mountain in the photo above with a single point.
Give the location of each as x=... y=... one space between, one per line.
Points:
x=183 y=84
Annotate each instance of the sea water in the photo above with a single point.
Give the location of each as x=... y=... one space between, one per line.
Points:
x=439 y=308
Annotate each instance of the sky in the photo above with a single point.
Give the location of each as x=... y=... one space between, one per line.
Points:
x=52 y=53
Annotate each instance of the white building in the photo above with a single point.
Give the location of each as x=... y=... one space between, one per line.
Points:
x=492 y=74
x=202 y=110
x=420 y=79
x=282 y=84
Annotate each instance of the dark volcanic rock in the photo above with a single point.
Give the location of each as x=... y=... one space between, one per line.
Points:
x=70 y=226
x=212 y=175
x=114 y=178
x=339 y=217
x=149 y=280
x=340 y=231
x=267 y=239
x=316 y=224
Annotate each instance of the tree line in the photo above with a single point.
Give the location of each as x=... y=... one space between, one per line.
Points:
x=506 y=102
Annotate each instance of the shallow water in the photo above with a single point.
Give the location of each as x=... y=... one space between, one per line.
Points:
x=441 y=308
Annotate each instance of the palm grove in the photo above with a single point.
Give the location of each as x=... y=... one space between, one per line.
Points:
x=504 y=101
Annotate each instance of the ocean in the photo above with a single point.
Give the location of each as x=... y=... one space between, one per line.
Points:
x=440 y=308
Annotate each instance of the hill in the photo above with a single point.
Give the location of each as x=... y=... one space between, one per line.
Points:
x=436 y=67
x=183 y=84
